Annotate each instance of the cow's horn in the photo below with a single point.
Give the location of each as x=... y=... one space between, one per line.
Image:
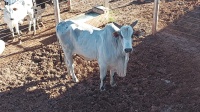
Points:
x=117 y=25
x=134 y=23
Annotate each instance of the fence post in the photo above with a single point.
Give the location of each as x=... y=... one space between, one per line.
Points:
x=57 y=11
x=69 y=4
x=106 y=3
x=155 y=16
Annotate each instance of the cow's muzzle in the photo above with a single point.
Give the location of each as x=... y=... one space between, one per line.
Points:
x=128 y=50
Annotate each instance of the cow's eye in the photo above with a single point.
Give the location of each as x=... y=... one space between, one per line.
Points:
x=14 y=9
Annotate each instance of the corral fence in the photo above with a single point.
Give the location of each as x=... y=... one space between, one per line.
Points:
x=79 y=8
x=53 y=13
x=76 y=7
x=158 y=6
x=182 y=19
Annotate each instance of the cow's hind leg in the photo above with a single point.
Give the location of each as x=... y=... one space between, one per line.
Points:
x=103 y=70
x=70 y=67
x=112 y=81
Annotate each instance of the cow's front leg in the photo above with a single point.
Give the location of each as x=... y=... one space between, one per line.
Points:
x=103 y=70
x=112 y=81
x=13 y=33
x=70 y=67
x=18 y=34
x=34 y=26
x=29 y=27
x=33 y=21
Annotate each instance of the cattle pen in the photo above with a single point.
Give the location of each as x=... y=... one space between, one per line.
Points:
x=162 y=74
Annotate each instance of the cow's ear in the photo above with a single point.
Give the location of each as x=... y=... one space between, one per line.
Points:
x=134 y=23
x=116 y=34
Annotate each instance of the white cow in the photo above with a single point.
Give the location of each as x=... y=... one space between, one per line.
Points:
x=110 y=47
x=39 y=8
x=15 y=13
x=2 y=46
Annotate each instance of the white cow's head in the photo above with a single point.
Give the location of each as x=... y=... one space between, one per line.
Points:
x=9 y=12
x=126 y=33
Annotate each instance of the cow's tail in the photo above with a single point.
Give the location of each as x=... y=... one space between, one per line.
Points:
x=60 y=51
x=59 y=46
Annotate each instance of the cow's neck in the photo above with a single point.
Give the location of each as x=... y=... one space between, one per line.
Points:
x=119 y=47
x=113 y=43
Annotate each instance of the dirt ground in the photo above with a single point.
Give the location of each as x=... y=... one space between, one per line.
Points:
x=163 y=71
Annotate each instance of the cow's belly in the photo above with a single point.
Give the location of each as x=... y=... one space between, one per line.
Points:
x=86 y=46
x=88 y=52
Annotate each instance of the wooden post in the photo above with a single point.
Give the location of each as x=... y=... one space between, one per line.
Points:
x=155 y=16
x=57 y=11
x=69 y=4
x=106 y=3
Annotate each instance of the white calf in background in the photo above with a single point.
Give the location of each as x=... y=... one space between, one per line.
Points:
x=39 y=8
x=15 y=13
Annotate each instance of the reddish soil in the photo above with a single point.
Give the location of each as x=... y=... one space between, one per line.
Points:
x=163 y=71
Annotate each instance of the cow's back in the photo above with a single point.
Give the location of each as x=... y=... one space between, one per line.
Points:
x=78 y=39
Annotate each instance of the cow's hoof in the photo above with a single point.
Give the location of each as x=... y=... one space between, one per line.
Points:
x=13 y=40
x=20 y=42
x=113 y=85
x=75 y=80
x=102 y=88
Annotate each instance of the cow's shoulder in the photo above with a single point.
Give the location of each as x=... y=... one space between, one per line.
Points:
x=63 y=26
